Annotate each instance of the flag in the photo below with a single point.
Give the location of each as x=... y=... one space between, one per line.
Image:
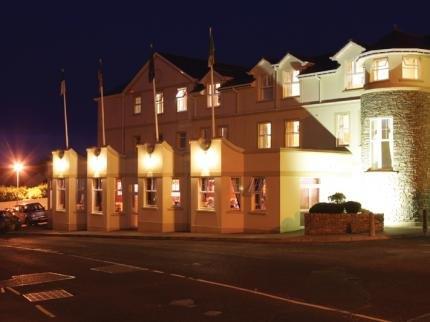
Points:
x=62 y=84
x=211 y=59
x=100 y=74
x=151 y=71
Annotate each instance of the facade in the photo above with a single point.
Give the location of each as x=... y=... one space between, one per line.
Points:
x=290 y=132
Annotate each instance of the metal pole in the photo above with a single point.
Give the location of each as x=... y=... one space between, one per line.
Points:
x=103 y=116
x=155 y=111
x=17 y=179
x=65 y=119
x=212 y=101
x=425 y=221
x=371 y=224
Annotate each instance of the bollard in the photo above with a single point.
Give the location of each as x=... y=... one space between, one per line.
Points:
x=424 y=221
x=371 y=224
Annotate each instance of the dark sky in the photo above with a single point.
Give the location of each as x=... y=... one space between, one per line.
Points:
x=41 y=37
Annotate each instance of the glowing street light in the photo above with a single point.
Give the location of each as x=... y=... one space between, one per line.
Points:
x=18 y=167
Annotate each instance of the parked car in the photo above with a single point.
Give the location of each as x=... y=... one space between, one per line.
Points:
x=8 y=221
x=31 y=213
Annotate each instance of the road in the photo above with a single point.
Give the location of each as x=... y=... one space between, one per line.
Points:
x=166 y=280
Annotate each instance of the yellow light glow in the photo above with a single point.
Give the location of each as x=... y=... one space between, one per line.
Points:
x=207 y=160
x=151 y=161
x=18 y=166
x=60 y=166
x=97 y=164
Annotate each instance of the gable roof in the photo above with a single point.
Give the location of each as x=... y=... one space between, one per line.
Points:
x=400 y=39
x=321 y=63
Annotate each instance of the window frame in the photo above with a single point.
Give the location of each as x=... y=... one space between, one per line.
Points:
x=81 y=191
x=261 y=136
x=137 y=102
x=159 y=103
x=309 y=186
x=221 y=129
x=119 y=195
x=376 y=70
x=236 y=192
x=353 y=70
x=204 y=194
x=180 y=138
x=147 y=192
x=96 y=189
x=181 y=101
x=177 y=191
x=375 y=149
x=258 y=189
x=216 y=95
x=290 y=83
x=266 y=82
x=337 y=129
x=292 y=133
x=415 y=68
x=61 y=191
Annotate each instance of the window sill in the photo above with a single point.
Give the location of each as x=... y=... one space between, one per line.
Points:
x=234 y=211
x=181 y=111
x=265 y=101
x=379 y=81
x=173 y=208
x=381 y=170
x=60 y=210
x=118 y=213
x=290 y=97
x=417 y=80
x=258 y=212
x=150 y=208
x=97 y=213
x=206 y=211
x=353 y=89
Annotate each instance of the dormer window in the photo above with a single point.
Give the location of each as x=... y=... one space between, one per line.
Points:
x=354 y=75
x=265 y=88
x=380 y=69
x=290 y=83
x=211 y=94
x=181 y=99
x=411 y=67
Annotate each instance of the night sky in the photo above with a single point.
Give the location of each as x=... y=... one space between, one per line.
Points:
x=41 y=37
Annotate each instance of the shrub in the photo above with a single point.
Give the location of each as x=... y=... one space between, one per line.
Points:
x=338 y=198
x=352 y=207
x=327 y=208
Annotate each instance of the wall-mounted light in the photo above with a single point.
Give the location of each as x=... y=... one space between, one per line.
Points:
x=97 y=163
x=60 y=164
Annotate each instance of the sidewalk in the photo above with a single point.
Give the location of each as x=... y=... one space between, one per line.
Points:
x=290 y=237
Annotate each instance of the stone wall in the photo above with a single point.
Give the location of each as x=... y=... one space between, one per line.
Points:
x=331 y=224
x=410 y=111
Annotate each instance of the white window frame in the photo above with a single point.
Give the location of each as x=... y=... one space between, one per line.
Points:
x=119 y=196
x=380 y=69
x=309 y=184
x=343 y=131
x=137 y=105
x=414 y=69
x=292 y=133
x=61 y=195
x=265 y=86
x=134 y=197
x=354 y=74
x=290 y=83
x=159 y=102
x=258 y=189
x=175 y=193
x=205 y=193
x=97 y=189
x=264 y=139
x=235 y=193
x=376 y=140
x=216 y=95
x=181 y=99
x=81 y=194
x=150 y=187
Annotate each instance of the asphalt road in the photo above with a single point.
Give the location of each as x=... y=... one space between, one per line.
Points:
x=144 y=280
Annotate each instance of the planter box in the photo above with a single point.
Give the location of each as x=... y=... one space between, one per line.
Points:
x=328 y=224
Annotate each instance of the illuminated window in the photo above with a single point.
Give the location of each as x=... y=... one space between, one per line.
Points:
x=259 y=193
x=181 y=140
x=207 y=193
x=118 y=196
x=150 y=192
x=264 y=135
x=137 y=108
x=205 y=133
x=292 y=134
x=381 y=142
x=265 y=88
x=234 y=193
x=290 y=83
x=223 y=131
x=97 y=196
x=81 y=191
x=135 y=197
x=213 y=95
x=309 y=192
x=411 y=67
x=343 y=131
x=61 y=195
x=380 y=69
x=176 y=193
x=159 y=103
x=354 y=74
x=181 y=99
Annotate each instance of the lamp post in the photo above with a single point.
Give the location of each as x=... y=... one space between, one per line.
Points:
x=18 y=166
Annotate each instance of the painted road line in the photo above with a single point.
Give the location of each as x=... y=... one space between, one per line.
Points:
x=297 y=302
x=2 y=290
x=44 y=311
x=13 y=290
x=156 y=271
x=40 y=250
x=177 y=275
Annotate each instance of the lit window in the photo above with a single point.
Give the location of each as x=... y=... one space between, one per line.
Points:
x=135 y=197
x=118 y=196
x=97 y=196
x=213 y=95
x=181 y=99
x=137 y=108
x=223 y=132
x=150 y=192
x=381 y=142
x=176 y=193
x=292 y=134
x=205 y=133
x=380 y=69
x=259 y=193
x=207 y=193
x=234 y=193
x=411 y=67
x=181 y=140
x=264 y=135
x=309 y=192
x=290 y=83
x=80 y=194
x=61 y=194
x=265 y=88
x=354 y=74
x=159 y=103
x=343 y=131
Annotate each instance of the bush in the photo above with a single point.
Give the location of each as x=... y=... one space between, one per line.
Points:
x=338 y=198
x=352 y=207
x=327 y=208
x=21 y=193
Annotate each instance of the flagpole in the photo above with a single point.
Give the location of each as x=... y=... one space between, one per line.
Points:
x=65 y=118
x=211 y=65
x=151 y=77
x=212 y=101
x=155 y=111
x=102 y=103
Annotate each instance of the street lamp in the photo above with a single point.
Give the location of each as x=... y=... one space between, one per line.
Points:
x=18 y=166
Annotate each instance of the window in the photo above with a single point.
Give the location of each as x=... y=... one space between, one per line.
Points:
x=150 y=192
x=207 y=193
x=411 y=67
x=137 y=108
x=181 y=99
x=213 y=95
x=235 y=193
x=181 y=140
x=309 y=192
x=381 y=142
x=264 y=135
x=118 y=196
x=354 y=75
x=292 y=134
x=380 y=69
x=223 y=131
x=290 y=83
x=176 y=193
x=50 y=194
x=80 y=194
x=265 y=88
x=159 y=103
x=205 y=133
x=61 y=194
x=97 y=196
x=343 y=131
x=135 y=197
x=259 y=193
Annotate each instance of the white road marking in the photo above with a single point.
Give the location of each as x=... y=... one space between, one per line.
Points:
x=13 y=290
x=158 y=272
x=421 y=317
x=2 y=290
x=177 y=275
x=44 y=311
x=41 y=250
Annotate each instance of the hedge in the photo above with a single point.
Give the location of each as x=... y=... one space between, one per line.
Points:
x=21 y=193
